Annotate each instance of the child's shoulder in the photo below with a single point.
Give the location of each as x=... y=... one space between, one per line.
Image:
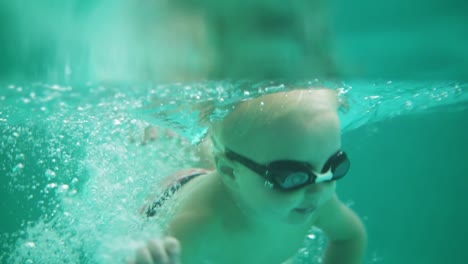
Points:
x=197 y=198
x=196 y=214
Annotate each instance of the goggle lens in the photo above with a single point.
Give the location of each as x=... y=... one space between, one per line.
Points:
x=294 y=179
x=302 y=175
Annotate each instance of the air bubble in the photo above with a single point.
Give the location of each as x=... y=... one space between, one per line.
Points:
x=30 y=244
x=19 y=156
x=63 y=188
x=51 y=185
x=18 y=167
x=50 y=174
x=409 y=104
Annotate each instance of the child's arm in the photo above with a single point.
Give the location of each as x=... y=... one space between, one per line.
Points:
x=345 y=231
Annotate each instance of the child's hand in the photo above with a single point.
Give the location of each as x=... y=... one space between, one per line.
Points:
x=159 y=251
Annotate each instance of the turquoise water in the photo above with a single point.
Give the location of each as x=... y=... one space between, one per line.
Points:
x=74 y=170
x=76 y=40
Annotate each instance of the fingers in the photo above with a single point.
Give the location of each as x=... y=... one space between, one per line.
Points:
x=159 y=251
x=143 y=256
x=172 y=246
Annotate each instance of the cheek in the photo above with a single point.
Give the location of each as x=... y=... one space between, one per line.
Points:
x=250 y=186
x=328 y=192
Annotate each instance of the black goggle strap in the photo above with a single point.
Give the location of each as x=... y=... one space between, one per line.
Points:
x=258 y=168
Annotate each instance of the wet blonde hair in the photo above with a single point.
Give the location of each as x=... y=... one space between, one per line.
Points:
x=252 y=114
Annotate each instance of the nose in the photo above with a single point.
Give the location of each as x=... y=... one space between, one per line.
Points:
x=317 y=188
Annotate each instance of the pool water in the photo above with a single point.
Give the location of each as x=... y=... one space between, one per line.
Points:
x=75 y=171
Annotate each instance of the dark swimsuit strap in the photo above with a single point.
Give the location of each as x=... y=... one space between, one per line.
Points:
x=168 y=193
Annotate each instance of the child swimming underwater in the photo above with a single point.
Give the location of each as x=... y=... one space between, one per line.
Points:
x=277 y=160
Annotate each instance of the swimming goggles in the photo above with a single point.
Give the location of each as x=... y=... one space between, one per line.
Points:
x=289 y=175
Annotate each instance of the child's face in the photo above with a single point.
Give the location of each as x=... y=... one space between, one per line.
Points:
x=312 y=139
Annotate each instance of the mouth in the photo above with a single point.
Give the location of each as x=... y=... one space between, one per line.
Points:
x=306 y=210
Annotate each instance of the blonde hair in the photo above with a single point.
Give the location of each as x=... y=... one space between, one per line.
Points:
x=254 y=113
